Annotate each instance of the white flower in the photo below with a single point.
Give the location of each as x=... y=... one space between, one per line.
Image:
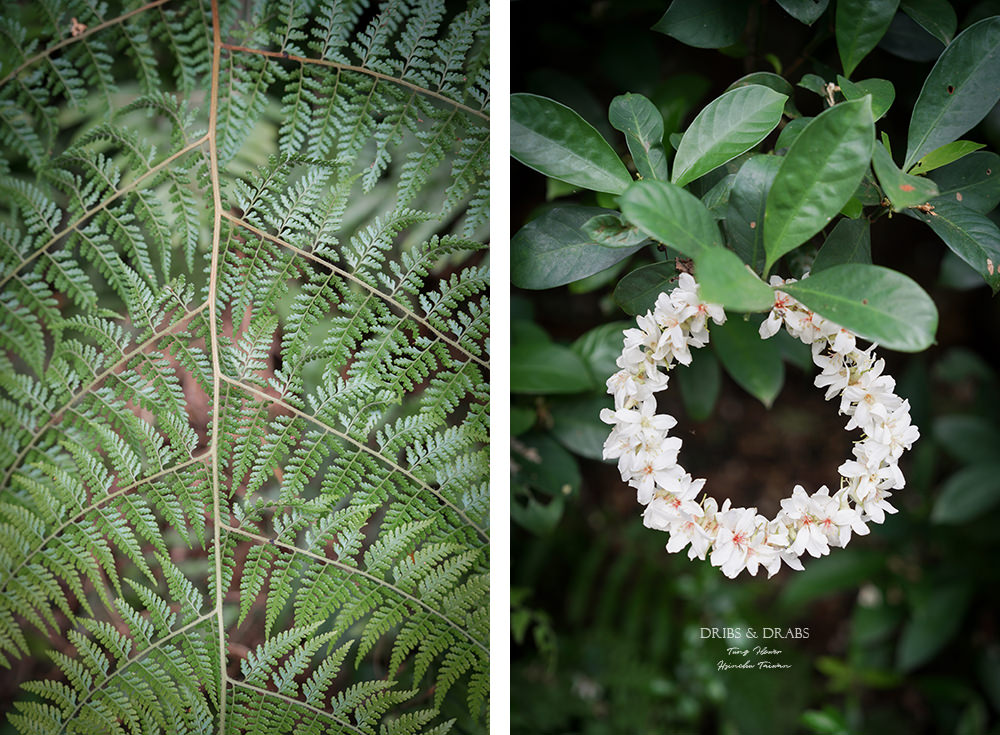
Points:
x=735 y=539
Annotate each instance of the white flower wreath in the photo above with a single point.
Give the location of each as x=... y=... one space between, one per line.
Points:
x=740 y=538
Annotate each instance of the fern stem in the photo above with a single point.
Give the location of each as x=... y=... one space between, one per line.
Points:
x=213 y=295
x=355 y=570
x=94 y=506
x=354 y=279
x=363 y=447
x=360 y=70
x=58 y=414
x=299 y=703
x=100 y=207
x=79 y=37
x=131 y=660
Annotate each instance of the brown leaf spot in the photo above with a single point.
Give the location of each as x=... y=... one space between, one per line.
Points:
x=753 y=225
x=951 y=89
x=864 y=301
x=907 y=187
x=990 y=267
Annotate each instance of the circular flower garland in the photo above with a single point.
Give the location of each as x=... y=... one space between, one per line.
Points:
x=741 y=538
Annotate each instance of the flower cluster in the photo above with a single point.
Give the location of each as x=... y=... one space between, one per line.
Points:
x=732 y=538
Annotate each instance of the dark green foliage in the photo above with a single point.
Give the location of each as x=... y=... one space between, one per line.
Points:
x=243 y=365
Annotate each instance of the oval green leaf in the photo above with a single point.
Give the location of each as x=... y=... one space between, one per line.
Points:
x=882 y=92
x=745 y=216
x=902 y=189
x=962 y=87
x=754 y=363
x=818 y=176
x=968 y=493
x=944 y=155
x=804 y=11
x=576 y=423
x=642 y=124
x=730 y=125
x=973 y=181
x=849 y=242
x=727 y=280
x=973 y=237
x=860 y=26
x=612 y=231
x=601 y=346
x=546 y=367
x=936 y=618
x=879 y=304
x=636 y=293
x=967 y=438
x=705 y=23
x=671 y=215
x=937 y=17
x=554 y=140
x=553 y=249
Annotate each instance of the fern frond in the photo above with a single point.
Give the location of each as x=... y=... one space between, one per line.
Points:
x=243 y=365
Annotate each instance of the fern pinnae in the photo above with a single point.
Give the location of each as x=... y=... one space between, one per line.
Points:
x=233 y=419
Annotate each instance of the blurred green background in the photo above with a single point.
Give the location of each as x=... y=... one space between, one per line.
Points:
x=903 y=625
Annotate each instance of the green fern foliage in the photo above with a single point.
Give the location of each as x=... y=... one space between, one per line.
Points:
x=244 y=366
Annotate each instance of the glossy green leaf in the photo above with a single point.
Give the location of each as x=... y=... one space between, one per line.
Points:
x=730 y=125
x=610 y=230
x=937 y=17
x=973 y=237
x=820 y=172
x=671 y=215
x=804 y=11
x=754 y=363
x=601 y=346
x=860 y=26
x=704 y=23
x=882 y=92
x=772 y=81
x=522 y=418
x=727 y=280
x=879 y=304
x=745 y=216
x=968 y=494
x=868 y=192
x=547 y=368
x=791 y=131
x=814 y=83
x=642 y=124
x=555 y=472
x=554 y=140
x=967 y=438
x=716 y=199
x=853 y=209
x=700 y=383
x=848 y=242
x=937 y=617
x=962 y=87
x=902 y=189
x=973 y=181
x=553 y=249
x=576 y=423
x=636 y=293
x=907 y=40
x=944 y=155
